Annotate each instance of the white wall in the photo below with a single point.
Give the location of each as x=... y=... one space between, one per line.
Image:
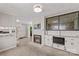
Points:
x=7 y=20
x=19 y=29
x=22 y=30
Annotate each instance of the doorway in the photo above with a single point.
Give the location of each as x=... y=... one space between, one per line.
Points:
x=30 y=31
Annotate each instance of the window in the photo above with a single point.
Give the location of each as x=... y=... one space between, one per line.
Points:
x=52 y=23
x=69 y=22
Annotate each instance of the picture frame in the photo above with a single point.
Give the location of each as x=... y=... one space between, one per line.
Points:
x=37 y=26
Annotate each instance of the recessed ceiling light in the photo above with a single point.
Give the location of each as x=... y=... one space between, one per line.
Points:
x=37 y=8
x=17 y=20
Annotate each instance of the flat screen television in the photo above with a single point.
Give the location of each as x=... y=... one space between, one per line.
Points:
x=59 y=40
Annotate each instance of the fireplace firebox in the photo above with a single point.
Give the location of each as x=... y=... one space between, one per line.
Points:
x=59 y=40
x=37 y=39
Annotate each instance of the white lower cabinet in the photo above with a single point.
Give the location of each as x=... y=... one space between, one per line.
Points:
x=48 y=40
x=58 y=46
x=7 y=42
x=71 y=44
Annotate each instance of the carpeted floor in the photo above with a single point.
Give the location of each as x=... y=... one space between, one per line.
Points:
x=28 y=48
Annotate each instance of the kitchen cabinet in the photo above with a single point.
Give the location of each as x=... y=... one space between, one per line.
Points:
x=58 y=46
x=72 y=44
x=48 y=40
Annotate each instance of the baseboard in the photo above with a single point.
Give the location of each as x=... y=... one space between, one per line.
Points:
x=7 y=48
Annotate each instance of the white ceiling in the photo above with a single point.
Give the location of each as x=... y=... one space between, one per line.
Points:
x=24 y=11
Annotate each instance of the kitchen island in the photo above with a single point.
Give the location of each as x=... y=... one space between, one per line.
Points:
x=7 y=40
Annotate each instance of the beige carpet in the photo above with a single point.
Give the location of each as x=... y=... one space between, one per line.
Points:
x=28 y=48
